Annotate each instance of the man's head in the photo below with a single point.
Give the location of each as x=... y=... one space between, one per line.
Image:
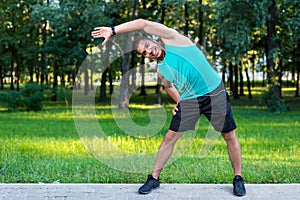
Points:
x=150 y=49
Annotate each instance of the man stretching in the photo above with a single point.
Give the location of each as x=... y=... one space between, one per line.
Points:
x=193 y=84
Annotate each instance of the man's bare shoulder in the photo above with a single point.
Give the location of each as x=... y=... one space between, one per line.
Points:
x=169 y=36
x=177 y=40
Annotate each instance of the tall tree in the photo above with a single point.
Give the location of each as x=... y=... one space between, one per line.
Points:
x=273 y=99
x=44 y=35
x=124 y=99
x=234 y=34
x=159 y=81
x=288 y=14
x=143 y=87
x=201 y=22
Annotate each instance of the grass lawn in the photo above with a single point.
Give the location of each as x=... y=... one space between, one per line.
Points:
x=44 y=147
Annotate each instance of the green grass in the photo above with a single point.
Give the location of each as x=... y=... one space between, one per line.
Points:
x=45 y=147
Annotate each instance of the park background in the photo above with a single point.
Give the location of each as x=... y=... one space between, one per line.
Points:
x=254 y=45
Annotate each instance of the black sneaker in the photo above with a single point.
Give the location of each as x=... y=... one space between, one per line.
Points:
x=150 y=185
x=238 y=186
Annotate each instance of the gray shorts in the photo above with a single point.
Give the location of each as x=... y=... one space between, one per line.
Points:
x=214 y=105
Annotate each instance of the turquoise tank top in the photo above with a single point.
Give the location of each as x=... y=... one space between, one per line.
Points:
x=190 y=72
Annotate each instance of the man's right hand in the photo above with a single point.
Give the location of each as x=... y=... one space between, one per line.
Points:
x=175 y=109
x=102 y=32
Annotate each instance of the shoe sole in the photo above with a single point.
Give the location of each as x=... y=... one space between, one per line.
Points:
x=148 y=192
x=239 y=195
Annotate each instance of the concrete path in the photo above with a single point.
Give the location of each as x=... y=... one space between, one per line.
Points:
x=129 y=191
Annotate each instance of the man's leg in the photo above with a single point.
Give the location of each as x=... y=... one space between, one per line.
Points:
x=234 y=151
x=235 y=155
x=165 y=151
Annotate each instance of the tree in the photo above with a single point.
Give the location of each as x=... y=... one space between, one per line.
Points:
x=46 y=41
x=15 y=26
x=70 y=24
x=289 y=36
x=271 y=50
x=124 y=99
x=234 y=35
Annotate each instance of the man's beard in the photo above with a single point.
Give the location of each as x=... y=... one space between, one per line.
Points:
x=162 y=55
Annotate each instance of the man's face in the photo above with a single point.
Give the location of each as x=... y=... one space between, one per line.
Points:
x=151 y=49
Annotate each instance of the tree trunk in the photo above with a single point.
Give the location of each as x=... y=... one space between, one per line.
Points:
x=297 y=68
x=12 y=63
x=263 y=84
x=111 y=87
x=200 y=35
x=133 y=74
x=293 y=79
x=224 y=74
x=159 y=92
x=103 y=96
x=272 y=75
x=230 y=78
x=159 y=86
x=55 y=83
x=240 y=68
x=248 y=83
x=43 y=56
x=30 y=73
x=86 y=81
x=143 y=88
x=37 y=74
x=135 y=9
x=186 y=17
x=124 y=101
x=74 y=79
x=236 y=82
x=44 y=73
x=252 y=60
x=1 y=78
x=297 y=82
x=18 y=75
x=279 y=74
x=91 y=80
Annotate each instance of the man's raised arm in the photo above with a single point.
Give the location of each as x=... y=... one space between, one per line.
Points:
x=167 y=35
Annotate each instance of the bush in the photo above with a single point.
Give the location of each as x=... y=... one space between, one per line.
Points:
x=273 y=103
x=15 y=100
x=29 y=99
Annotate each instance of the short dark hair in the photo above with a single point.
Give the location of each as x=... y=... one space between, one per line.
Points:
x=138 y=40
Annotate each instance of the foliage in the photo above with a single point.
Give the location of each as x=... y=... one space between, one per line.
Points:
x=15 y=100
x=47 y=41
x=29 y=99
x=268 y=98
x=235 y=28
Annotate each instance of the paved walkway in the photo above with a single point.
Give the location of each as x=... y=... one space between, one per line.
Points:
x=129 y=191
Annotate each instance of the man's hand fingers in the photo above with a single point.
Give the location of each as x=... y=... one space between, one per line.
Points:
x=97 y=32
x=174 y=110
x=101 y=32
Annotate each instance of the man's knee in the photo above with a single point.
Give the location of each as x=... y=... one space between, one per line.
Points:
x=171 y=137
x=229 y=135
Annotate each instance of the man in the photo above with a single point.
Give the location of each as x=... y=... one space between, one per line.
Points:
x=182 y=67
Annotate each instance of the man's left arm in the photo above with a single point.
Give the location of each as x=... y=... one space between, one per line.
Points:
x=169 y=88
